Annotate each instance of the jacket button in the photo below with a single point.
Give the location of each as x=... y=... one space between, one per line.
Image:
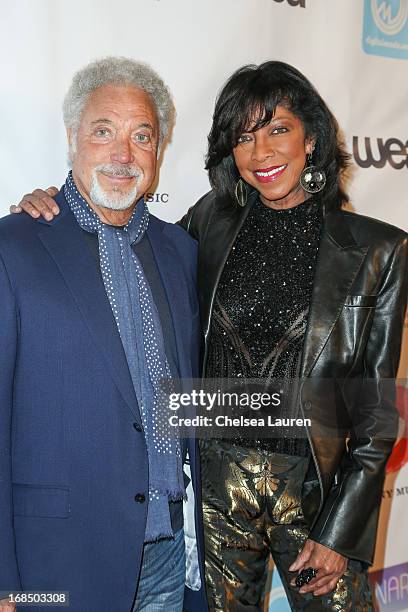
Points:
x=140 y=498
x=137 y=426
x=307 y=405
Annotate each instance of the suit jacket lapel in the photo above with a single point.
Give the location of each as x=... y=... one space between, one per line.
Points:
x=66 y=245
x=339 y=261
x=175 y=286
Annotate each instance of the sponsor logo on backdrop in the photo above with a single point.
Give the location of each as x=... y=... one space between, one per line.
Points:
x=390 y=588
x=157 y=198
x=399 y=455
x=385 y=29
x=396 y=492
x=301 y=3
x=277 y=600
x=377 y=152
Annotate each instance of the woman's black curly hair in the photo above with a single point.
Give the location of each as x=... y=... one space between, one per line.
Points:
x=256 y=91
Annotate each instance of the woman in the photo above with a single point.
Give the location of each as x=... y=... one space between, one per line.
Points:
x=293 y=287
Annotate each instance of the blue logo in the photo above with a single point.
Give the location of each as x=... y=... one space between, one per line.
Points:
x=386 y=28
x=390 y=588
x=277 y=597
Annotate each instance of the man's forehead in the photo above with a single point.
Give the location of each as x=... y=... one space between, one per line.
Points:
x=112 y=100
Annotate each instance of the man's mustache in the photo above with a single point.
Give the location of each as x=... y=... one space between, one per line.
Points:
x=120 y=170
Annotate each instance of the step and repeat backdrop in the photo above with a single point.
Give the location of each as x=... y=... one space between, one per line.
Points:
x=354 y=51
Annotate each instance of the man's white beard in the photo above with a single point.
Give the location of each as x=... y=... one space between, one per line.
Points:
x=115 y=199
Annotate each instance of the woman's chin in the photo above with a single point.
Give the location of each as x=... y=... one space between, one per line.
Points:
x=282 y=198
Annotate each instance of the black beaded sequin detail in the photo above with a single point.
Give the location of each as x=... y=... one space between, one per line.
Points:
x=262 y=303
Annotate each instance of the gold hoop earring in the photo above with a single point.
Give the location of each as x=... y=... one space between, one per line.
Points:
x=241 y=192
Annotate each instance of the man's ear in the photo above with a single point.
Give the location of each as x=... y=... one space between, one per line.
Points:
x=69 y=136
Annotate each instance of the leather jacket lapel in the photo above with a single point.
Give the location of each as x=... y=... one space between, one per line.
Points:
x=222 y=231
x=339 y=261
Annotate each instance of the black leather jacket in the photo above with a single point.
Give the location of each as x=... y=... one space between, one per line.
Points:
x=354 y=333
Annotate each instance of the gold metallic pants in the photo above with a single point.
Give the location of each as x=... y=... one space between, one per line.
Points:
x=252 y=508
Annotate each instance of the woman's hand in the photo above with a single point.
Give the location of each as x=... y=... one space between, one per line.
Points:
x=330 y=565
x=38 y=203
x=6 y=606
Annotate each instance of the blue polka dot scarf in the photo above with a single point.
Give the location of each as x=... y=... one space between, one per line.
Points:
x=140 y=330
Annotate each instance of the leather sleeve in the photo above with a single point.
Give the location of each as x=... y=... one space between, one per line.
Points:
x=185 y=220
x=348 y=520
x=9 y=575
x=196 y=216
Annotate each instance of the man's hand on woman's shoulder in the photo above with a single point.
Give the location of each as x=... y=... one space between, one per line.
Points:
x=38 y=203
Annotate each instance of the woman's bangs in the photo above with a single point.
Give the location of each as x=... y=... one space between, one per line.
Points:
x=259 y=110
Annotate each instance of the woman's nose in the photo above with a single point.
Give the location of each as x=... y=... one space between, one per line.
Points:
x=262 y=150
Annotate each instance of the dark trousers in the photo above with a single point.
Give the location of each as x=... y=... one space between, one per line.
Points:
x=252 y=508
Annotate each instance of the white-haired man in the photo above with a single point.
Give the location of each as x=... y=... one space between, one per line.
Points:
x=98 y=305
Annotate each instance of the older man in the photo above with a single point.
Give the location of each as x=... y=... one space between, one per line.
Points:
x=98 y=305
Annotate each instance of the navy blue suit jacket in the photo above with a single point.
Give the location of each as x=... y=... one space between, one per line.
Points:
x=71 y=460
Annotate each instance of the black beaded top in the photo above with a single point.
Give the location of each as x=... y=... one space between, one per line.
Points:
x=262 y=303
